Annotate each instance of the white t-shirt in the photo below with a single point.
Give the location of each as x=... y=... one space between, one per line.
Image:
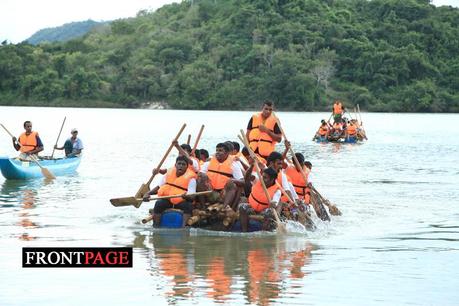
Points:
x=235 y=168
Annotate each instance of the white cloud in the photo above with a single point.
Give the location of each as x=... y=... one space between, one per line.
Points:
x=21 y=18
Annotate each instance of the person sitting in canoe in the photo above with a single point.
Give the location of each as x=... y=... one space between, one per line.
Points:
x=263 y=132
x=223 y=175
x=29 y=143
x=351 y=131
x=323 y=131
x=258 y=203
x=337 y=130
x=178 y=180
x=72 y=146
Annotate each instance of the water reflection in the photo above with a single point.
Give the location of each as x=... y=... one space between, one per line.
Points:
x=255 y=269
x=24 y=194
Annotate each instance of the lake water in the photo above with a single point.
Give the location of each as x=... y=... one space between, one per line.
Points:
x=397 y=242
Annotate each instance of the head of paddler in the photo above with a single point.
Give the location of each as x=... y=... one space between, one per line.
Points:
x=267 y=109
x=308 y=165
x=221 y=152
x=323 y=122
x=300 y=158
x=74 y=133
x=236 y=147
x=274 y=161
x=28 y=126
x=181 y=165
x=269 y=177
x=186 y=148
x=230 y=147
x=203 y=154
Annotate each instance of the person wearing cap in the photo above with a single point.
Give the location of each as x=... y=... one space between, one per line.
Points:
x=72 y=146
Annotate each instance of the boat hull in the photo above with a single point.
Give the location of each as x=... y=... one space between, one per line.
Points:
x=14 y=169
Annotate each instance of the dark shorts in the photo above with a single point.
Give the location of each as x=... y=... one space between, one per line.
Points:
x=163 y=204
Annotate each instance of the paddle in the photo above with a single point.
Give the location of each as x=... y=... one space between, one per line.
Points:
x=319 y=209
x=188 y=139
x=197 y=140
x=280 y=226
x=361 y=123
x=46 y=173
x=307 y=220
x=144 y=188
x=57 y=140
x=134 y=201
x=332 y=208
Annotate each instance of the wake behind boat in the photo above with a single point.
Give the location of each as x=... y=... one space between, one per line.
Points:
x=15 y=169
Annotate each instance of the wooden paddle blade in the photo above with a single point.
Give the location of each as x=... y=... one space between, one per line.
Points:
x=319 y=208
x=46 y=173
x=126 y=202
x=334 y=210
x=281 y=229
x=144 y=189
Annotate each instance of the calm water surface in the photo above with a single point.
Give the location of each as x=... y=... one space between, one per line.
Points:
x=397 y=242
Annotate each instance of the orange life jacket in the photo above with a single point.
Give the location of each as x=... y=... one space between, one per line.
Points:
x=219 y=173
x=262 y=141
x=298 y=181
x=28 y=143
x=337 y=108
x=323 y=130
x=352 y=130
x=176 y=185
x=257 y=198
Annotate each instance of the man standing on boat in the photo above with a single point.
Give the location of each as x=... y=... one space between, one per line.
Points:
x=338 y=110
x=30 y=143
x=263 y=132
x=178 y=180
x=72 y=146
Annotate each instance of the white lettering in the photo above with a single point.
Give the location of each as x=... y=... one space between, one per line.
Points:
x=41 y=257
x=50 y=260
x=30 y=256
x=79 y=254
x=66 y=257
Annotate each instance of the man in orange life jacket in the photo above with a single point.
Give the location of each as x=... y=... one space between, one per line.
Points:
x=263 y=132
x=351 y=130
x=323 y=131
x=30 y=142
x=338 y=110
x=258 y=203
x=178 y=180
x=185 y=150
x=293 y=172
x=223 y=175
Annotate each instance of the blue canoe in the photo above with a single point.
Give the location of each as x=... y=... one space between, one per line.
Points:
x=15 y=169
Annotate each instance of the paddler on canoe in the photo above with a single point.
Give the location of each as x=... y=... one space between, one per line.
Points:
x=338 y=110
x=257 y=201
x=223 y=175
x=263 y=132
x=323 y=131
x=178 y=180
x=30 y=143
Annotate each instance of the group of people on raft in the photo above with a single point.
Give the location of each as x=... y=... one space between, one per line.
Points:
x=29 y=144
x=230 y=176
x=342 y=129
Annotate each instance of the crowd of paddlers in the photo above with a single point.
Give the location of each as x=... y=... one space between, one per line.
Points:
x=344 y=128
x=245 y=185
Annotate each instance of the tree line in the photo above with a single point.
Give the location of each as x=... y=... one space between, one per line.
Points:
x=386 y=55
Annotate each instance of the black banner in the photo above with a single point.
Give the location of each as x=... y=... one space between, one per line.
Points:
x=77 y=257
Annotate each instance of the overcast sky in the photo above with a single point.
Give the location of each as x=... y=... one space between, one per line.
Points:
x=19 y=19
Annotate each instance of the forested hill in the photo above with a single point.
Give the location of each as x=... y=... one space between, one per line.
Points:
x=386 y=55
x=64 y=32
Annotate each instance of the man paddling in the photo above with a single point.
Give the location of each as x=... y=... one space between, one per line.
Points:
x=223 y=175
x=72 y=146
x=178 y=180
x=258 y=203
x=30 y=143
x=263 y=132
